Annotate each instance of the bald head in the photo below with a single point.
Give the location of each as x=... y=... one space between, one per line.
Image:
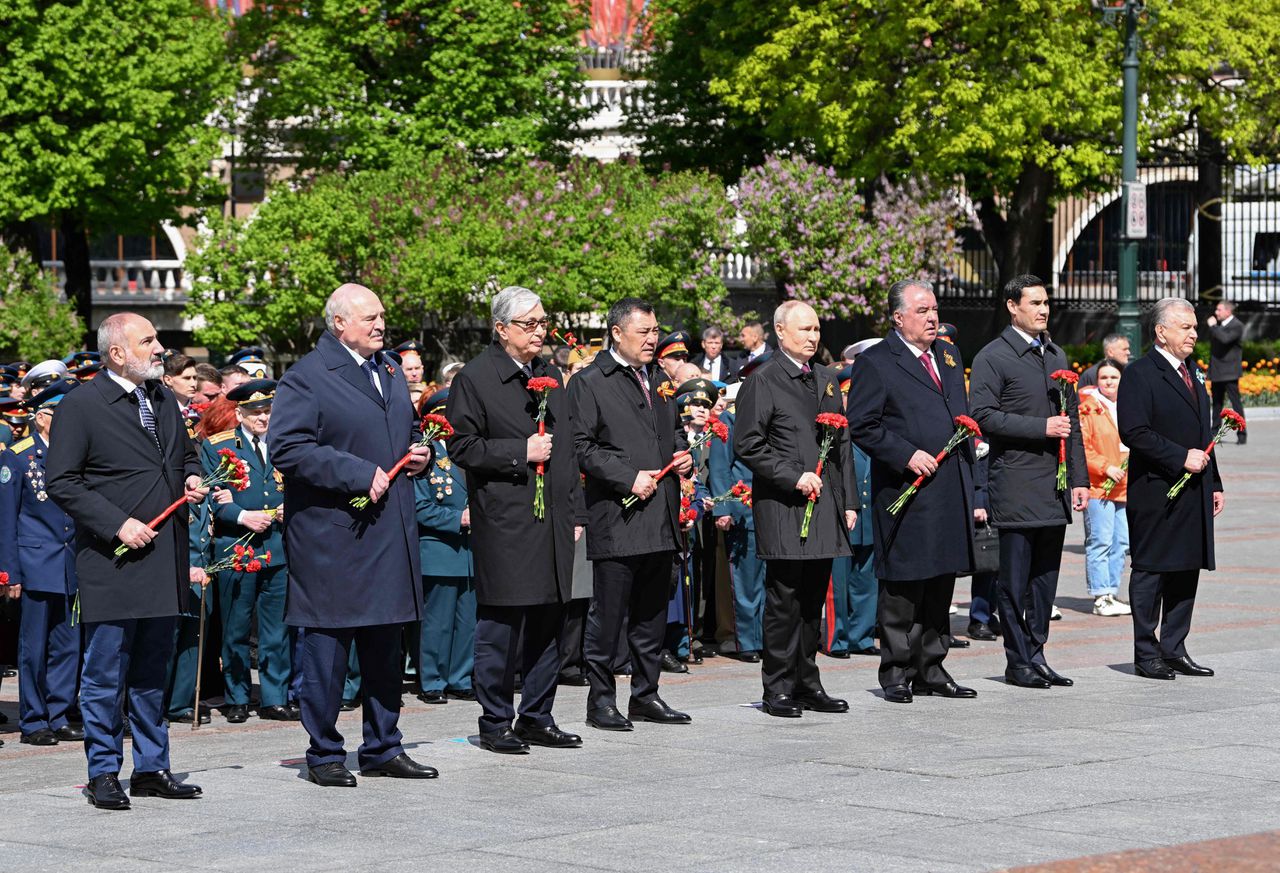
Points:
x=356 y=317
x=129 y=347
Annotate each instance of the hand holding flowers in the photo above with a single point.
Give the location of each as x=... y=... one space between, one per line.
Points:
x=231 y=471
x=966 y=427
x=434 y=427
x=1231 y=420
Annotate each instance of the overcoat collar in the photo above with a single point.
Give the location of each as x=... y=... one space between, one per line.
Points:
x=1019 y=343
x=506 y=366
x=336 y=357
x=1174 y=378
x=906 y=359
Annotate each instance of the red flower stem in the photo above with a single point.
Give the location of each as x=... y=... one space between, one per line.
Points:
x=391 y=474
x=159 y=519
x=812 y=497
x=1062 y=451
x=542 y=431
x=675 y=459
x=1212 y=443
x=939 y=458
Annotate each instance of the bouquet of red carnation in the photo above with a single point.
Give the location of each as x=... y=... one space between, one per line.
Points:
x=1231 y=420
x=4 y=578
x=541 y=386
x=688 y=512
x=831 y=423
x=243 y=560
x=715 y=428
x=966 y=427
x=740 y=492
x=231 y=471
x=1067 y=380
x=434 y=427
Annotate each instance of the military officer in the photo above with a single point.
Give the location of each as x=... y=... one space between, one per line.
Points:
x=252 y=517
x=253 y=360
x=14 y=420
x=671 y=352
x=410 y=354
x=36 y=551
x=42 y=375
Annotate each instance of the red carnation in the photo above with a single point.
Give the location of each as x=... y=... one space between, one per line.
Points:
x=831 y=423
x=833 y=419
x=542 y=383
x=968 y=424
x=1068 y=376
x=4 y=578
x=719 y=429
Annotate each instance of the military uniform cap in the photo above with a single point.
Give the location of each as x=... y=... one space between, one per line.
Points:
x=53 y=393
x=42 y=374
x=87 y=371
x=79 y=359
x=254 y=394
x=253 y=360
x=948 y=332
x=436 y=401
x=698 y=391
x=676 y=343
x=861 y=346
x=21 y=367
x=409 y=346
x=845 y=377
x=14 y=411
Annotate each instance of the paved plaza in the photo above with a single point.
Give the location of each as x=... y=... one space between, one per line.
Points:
x=1014 y=778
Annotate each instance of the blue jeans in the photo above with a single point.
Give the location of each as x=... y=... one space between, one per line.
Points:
x=1105 y=546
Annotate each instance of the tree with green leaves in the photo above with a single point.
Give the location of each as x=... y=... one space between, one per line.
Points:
x=1019 y=101
x=34 y=324
x=436 y=237
x=358 y=83
x=106 y=119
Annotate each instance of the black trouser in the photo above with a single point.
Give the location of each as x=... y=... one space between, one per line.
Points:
x=571 y=633
x=630 y=596
x=1028 y=582
x=794 y=592
x=1166 y=599
x=1223 y=390
x=508 y=637
x=915 y=630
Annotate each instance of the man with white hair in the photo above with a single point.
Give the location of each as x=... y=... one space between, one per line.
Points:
x=341 y=420
x=1164 y=418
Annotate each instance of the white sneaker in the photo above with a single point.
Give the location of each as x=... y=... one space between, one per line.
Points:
x=1055 y=614
x=1108 y=605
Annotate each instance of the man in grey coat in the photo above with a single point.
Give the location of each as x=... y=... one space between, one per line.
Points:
x=1018 y=406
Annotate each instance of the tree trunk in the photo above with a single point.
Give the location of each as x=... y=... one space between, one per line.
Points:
x=1016 y=237
x=77 y=272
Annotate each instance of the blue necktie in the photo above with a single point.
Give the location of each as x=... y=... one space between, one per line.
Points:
x=372 y=369
x=144 y=411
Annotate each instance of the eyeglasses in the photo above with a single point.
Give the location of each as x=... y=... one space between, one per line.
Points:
x=529 y=325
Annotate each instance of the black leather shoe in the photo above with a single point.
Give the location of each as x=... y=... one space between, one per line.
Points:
x=504 y=742
x=820 y=701
x=278 y=713
x=1241 y=438
x=749 y=657
x=957 y=643
x=67 y=733
x=869 y=650
x=577 y=680
x=980 y=630
x=161 y=784
x=41 y=737
x=1054 y=677
x=433 y=697
x=348 y=706
x=1154 y=669
x=608 y=718
x=1185 y=665
x=296 y=710
x=656 y=711
x=782 y=706
x=1025 y=677
x=670 y=663
x=188 y=717
x=842 y=654
x=550 y=736
x=236 y=713
x=898 y=694
x=105 y=792
x=460 y=693
x=401 y=767
x=332 y=775
x=946 y=689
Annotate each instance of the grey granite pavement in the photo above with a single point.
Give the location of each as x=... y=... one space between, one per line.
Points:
x=1016 y=777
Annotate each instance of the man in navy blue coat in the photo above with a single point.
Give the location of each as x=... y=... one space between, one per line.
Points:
x=341 y=420
x=36 y=550
x=1164 y=418
x=904 y=396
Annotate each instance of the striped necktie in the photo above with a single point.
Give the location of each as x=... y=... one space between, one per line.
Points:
x=144 y=412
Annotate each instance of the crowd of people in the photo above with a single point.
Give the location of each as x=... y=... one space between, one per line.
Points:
x=539 y=518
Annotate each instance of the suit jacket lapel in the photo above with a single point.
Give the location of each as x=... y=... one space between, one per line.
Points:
x=1175 y=381
x=907 y=360
x=336 y=357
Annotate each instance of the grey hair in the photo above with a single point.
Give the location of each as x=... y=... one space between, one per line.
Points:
x=1111 y=339
x=785 y=308
x=712 y=332
x=898 y=292
x=1164 y=307
x=511 y=301
x=451 y=368
x=339 y=302
x=1230 y=304
x=111 y=331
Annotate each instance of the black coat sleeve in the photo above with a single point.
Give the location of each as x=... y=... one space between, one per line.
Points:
x=751 y=438
x=865 y=411
x=469 y=446
x=1133 y=417
x=65 y=473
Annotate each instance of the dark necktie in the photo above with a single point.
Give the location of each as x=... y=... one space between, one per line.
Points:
x=1037 y=347
x=372 y=369
x=257 y=450
x=928 y=368
x=648 y=398
x=527 y=370
x=144 y=412
x=1186 y=379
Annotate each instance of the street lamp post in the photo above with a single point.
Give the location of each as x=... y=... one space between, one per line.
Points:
x=1133 y=225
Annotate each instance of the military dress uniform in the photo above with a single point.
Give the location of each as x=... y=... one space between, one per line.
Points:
x=36 y=539
x=241 y=592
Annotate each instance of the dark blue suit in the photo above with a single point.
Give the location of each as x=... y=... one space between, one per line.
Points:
x=746 y=570
x=447 y=648
x=354 y=574
x=239 y=593
x=851 y=599
x=36 y=539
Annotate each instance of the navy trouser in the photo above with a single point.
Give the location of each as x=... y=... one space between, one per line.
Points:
x=326 y=654
x=48 y=660
x=982 y=597
x=127 y=657
x=238 y=595
x=511 y=637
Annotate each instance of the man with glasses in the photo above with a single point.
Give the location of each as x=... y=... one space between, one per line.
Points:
x=624 y=432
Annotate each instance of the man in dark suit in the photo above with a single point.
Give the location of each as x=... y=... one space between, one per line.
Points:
x=37 y=550
x=1019 y=408
x=624 y=433
x=121 y=454
x=1164 y=418
x=713 y=360
x=778 y=438
x=520 y=592
x=1226 y=360
x=341 y=420
x=903 y=399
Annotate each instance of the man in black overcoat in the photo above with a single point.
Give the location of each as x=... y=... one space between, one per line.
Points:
x=120 y=456
x=1019 y=408
x=624 y=434
x=341 y=420
x=777 y=436
x=1164 y=418
x=1226 y=360
x=903 y=398
x=523 y=564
